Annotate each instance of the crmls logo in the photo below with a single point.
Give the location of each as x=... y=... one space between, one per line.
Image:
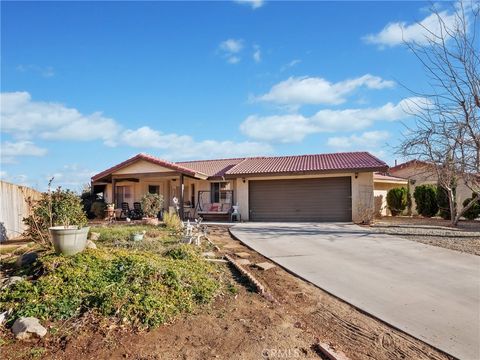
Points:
x=281 y=353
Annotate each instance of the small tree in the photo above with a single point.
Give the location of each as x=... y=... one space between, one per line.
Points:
x=426 y=200
x=152 y=204
x=397 y=200
x=98 y=209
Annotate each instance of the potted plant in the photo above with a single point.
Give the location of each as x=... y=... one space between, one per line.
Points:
x=151 y=206
x=138 y=236
x=69 y=231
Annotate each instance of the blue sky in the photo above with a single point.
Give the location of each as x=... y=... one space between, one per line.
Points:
x=86 y=85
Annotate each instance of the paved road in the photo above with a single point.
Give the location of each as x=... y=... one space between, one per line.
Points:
x=426 y=291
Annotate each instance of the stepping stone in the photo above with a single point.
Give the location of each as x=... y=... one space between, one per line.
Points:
x=209 y=254
x=242 y=255
x=243 y=262
x=265 y=266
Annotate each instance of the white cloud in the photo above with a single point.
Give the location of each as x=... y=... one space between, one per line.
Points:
x=232 y=45
x=397 y=33
x=45 y=71
x=314 y=90
x=231 y=49
x=367 y=140
x=3 y=174
x=257 y=54
x=295 y=127
x=24 y=118
x=11 y=150
x=291 y=64
x=181 y=147
x=255 y=4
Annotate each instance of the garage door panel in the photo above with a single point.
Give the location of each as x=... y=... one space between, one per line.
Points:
x=322 y=199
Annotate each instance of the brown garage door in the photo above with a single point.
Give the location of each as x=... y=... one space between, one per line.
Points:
x=325 y=199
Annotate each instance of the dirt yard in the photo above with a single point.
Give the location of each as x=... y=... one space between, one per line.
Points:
x=241 y=326
x=435 y=231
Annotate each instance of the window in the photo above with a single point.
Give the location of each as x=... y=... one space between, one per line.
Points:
x=217 y=192
x=154 y=189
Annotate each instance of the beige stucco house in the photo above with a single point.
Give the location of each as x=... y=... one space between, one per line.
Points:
x=321 y=187
x=421 y=173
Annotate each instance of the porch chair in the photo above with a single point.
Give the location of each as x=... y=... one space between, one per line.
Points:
x=125 y=210
x=137 y=212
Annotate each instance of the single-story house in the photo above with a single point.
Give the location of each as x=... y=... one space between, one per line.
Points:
x=421 y=173
x=382 y=183
x=321 y=187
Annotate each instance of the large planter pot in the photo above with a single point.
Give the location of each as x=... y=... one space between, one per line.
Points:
x=69 y=240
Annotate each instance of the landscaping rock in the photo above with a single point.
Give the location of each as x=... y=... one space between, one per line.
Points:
x=209 y=254
x=91 y=245
x=3 y=317
x=231 y=246
x=24 y=327
x=265 y=266
x=12 y=280
x=242 y=255
x=94 y=236
x=26 y=259
x=243 y=262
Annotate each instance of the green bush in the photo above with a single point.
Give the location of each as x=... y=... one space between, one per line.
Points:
x=59 y=207
x=152 y=204
x=397 y=200
x=98 y=209
x=426 y=200
x=443 y=203
x=474 y=211
x=139 y=288
x=172 y=221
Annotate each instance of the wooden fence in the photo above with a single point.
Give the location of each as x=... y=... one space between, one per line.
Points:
x=13 y=208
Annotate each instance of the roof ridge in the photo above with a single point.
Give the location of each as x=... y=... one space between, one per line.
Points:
x=222 y=159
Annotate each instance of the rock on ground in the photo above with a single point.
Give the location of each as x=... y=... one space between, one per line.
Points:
x=265 y=265
x=94 y=236
x=91 y=245
x=24 y=327
x=26 y=259
x=243 y=262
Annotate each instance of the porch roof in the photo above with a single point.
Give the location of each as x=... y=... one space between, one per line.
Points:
x=154 y=160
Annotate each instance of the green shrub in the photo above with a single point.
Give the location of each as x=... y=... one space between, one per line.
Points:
x=140 y=288
x=172 y=221
x=152 y=204
x=443 y=203
x=426 y=200
x=397 y=200
x=60 y=207
x=110 y=234
x=98 y=209
x=474 y=211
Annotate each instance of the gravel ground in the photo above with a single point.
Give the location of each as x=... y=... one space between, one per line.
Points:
x=465 y=238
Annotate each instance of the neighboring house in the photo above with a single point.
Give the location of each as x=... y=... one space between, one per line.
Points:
x=322 y=187
x=421 y=173
x=383 y=182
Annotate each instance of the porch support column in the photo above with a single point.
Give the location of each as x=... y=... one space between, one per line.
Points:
x=114 y=183
x=182 y=188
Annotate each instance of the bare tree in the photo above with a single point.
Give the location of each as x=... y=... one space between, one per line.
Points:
x=446 y=134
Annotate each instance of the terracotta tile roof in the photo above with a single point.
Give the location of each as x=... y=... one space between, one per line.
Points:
x=149 y=158
x=212 y=168
x=352 y=161
x=309 y=163
x=388 y=178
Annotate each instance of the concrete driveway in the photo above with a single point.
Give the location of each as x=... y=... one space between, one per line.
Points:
x=429 y=292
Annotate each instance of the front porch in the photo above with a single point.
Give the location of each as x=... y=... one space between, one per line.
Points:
x=212 y=200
